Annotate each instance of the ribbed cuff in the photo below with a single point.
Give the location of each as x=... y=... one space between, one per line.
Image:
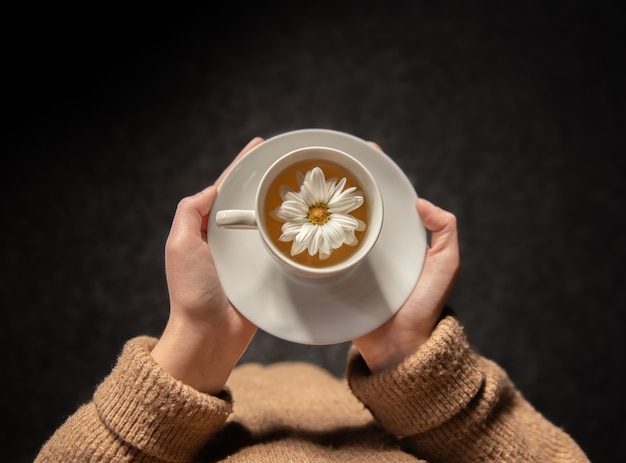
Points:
x=426 y=389
x=152 y=411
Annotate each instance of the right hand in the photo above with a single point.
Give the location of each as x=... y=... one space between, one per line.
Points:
x=413 y=324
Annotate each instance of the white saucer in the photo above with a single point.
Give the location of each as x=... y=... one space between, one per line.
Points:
x=308 y=311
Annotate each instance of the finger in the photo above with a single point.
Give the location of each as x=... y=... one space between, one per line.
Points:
x=441 y=224
x=433 y=217
x=375 y=145
x=251 y=144
x=191 y=213
x=442 y=263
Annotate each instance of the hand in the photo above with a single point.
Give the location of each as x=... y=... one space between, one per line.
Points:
x=205 y=335
x=413 y=324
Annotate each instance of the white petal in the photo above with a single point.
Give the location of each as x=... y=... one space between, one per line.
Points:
x=324 y=244
x=287 y=194
x=290 y=231
x=351 y=238
x=362 y=225
x=318 y=186
x=334 y=234
x=345 y=221
x=286 y=216
x=297 y=248
x=300 y=178
x=337 y=188
x=341 y=192
x=307 y=231
x=278 y=214
x=294 y=209
x=348 y=191
x=345 y=203
x=292 y=225
x=308 y=195
x=315 y=242
x=284 y=191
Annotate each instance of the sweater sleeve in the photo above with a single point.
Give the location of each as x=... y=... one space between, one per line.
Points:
x=139 y=413
x=446 y=403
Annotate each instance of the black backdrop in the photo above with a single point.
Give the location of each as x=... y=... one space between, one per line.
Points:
x=506 y=113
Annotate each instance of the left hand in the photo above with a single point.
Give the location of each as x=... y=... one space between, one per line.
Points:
x=205 y=335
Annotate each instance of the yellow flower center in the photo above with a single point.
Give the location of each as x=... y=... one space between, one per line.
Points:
x=318 y=214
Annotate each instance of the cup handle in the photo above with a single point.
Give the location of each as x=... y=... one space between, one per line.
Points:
x=236 y=218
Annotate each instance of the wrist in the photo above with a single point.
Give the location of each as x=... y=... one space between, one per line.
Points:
x=388 y=345
x=380 y=355
x=195 y=355
x=397 y=339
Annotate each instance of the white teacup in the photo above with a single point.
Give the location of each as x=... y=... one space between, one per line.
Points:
x=286 y=204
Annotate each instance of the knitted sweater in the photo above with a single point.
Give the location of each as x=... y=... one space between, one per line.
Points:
x=444 y=403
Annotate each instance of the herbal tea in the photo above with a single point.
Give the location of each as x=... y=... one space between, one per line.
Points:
x=344 y=221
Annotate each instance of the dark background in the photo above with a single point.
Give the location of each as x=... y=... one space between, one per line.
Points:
x=508 y=114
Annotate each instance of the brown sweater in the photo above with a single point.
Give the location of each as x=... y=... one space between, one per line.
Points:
x=445 y=403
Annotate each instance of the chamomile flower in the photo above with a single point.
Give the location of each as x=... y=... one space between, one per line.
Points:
x=317 y=217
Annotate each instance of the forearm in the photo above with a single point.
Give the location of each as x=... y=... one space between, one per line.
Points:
x=197 y=356
x=448 y=404
x=497 y=424
x=139 y=410
x=84 y=437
